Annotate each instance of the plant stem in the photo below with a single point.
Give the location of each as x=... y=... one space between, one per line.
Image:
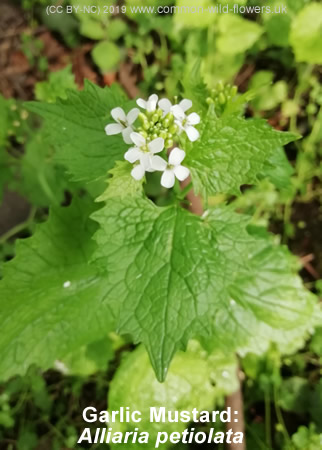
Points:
x=268 y=419
x=185 y=191
x=280 y=416
x=234 y=401
x=20 y=227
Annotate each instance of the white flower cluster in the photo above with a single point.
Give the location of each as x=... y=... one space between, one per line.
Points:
x=161 y=124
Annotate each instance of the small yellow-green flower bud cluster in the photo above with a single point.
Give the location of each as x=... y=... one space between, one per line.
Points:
x=155 y=124
x=221 y=95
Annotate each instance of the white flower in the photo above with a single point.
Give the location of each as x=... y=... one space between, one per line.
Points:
x=150 y=105
x=123 y=123
x=144 y=152
x=167 y=106
x=173 y=169
x=186 y=123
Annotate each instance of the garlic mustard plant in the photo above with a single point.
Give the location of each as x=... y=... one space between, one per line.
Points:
x=158 y=273
x=160 y=127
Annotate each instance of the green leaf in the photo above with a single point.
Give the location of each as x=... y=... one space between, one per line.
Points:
x=76 y=130
x=316 y=343
x=106 y=55
x=87 y=360
x=278 y=170
x=121 y=184
x=27 y=440
x=52 y=300
x=236 y=34
x=232 y=151
x=92 y=28
x=42 y=182
x=188 y=14
x=5 y=171
x=305 y=438
x=4 y=121
x=174 y=276
x=294 y=394
x=306 y=34
x=56 y=85
x=194 y=86
x=268 y=95
x=278 y=29
x=196 y=378
x=116 y=29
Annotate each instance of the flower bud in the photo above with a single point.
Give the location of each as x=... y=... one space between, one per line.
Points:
x=222 y=98
x=220 y=86
x=234 y=90
x=168 y=143
x=173 y=129
x=142 y=118
x=169 y=117
x=155 y=118
x=159 y=112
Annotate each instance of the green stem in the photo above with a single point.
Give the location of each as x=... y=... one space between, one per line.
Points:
x=185 y=191
x=163 y=48
x=268 y=419
x=314 y=133
x=279 y=416
x=46 y=188
x=301 y=88
x=18 y=228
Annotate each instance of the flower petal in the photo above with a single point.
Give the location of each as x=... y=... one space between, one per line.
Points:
x=152 y=103
x=138 y=172
x=180 y=126
x=145 y=160
x=138 y=139
x=113 y=128
x=181 y=172
x=165 y=105
x=193 y=119
x=118 y=114
x=192 y=133
x=132 y=116
x=176 y=156
x=156 y=146
x=132 y=155
x=178 y=113
x=141 y=103
x=126 y=133
x=168 y=179
x=158 y=163
x=185 y=104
